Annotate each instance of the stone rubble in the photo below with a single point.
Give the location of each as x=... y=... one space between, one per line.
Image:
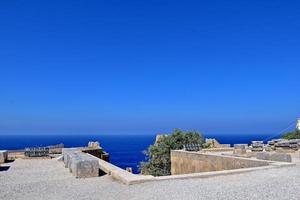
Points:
x=257 y=146
x=282 y=145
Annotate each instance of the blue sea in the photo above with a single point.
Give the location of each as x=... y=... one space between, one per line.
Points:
x=125 y=150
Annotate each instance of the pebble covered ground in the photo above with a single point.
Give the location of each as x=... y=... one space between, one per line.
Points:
x=48 y=179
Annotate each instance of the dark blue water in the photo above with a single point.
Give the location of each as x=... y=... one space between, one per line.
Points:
x=125 y=150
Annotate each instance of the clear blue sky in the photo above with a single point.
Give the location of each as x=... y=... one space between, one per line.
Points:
x=87 y=67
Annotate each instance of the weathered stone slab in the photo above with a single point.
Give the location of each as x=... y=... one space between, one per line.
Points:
x=84 y=166
x=80 y=164
x=66 y=155
x=280 y=157
x=268 y=148
x=240 y=149
x=263 y=155
x=3 y=156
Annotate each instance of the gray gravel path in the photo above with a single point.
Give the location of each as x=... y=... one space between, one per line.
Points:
x=48 y=179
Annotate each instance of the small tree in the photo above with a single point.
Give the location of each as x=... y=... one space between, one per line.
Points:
x=158 y=155
x=292 y=135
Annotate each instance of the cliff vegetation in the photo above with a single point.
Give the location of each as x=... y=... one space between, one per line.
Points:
x=158 y=155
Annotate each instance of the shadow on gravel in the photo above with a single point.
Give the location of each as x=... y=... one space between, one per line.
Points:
x=4 y=168
x=101 y=173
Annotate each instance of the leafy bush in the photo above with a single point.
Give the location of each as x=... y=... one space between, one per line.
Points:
x=292 y=135
x=158 y=155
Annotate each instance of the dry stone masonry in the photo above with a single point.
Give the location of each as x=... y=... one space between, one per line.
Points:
x=257 y=146
x=282 y=145
x=240 y=149
x=213 y=143
x=80 y=164
x=274 y=156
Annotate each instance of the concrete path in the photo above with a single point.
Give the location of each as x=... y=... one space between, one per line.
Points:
x=48 y=179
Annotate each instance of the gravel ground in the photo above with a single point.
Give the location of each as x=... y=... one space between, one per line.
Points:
x=48 y=179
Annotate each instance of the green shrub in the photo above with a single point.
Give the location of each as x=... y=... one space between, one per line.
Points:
x=158 y=155
x=292 y=135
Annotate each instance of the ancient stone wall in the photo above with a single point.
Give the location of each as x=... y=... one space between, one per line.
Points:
x=183 y=162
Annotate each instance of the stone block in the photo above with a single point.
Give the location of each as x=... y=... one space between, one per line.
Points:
x=263 y=156
x=257 y=144
x=240 y=146
x=66 y=152
x=84 y=166
x=280 y=157
x=3 y=156
x=240 y=149
x=257 y=149
x=95 y=144
x=269 y=148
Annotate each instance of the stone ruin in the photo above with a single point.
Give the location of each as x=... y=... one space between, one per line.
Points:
x=95 y=149
x=95 y=144
x=257 y=146
x=213 y=143
x=36 y=152
x=3 y=156
x=279 y=145
x=274 y=156
x=81 y=165
x=283 y=145
x=240 y=149
x=266 y=152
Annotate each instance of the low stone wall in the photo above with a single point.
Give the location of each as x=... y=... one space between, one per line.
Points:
x=183 y=162
x=274 y=156
x=122 y=175
x=96 y=151
x=217 y=149
x=129 y=178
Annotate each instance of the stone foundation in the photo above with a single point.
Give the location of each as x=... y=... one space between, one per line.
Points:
x=280 y=157
x=240 y=149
